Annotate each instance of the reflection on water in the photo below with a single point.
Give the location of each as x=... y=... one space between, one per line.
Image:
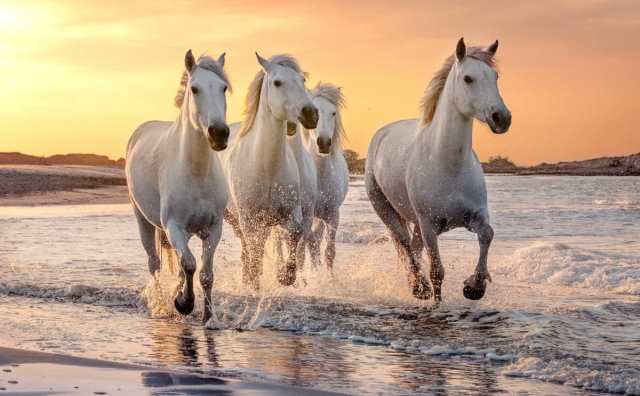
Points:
x=563 y=306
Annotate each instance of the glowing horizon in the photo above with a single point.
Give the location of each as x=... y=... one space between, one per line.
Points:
x=80 y=77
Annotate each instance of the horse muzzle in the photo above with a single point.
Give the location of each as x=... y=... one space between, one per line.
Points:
x=218 y=136
x=499 y=121
x=324 y=145
x=309 y=117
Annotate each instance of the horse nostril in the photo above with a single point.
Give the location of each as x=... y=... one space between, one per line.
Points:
x=496 y=117
x=218 y=131
x=225 y=132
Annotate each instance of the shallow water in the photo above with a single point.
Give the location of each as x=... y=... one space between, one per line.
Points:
x=561 y=316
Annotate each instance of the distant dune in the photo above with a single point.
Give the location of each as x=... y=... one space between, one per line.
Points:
x=604 y=166
x=60 y=159
x=19 y=180
x=22 y=174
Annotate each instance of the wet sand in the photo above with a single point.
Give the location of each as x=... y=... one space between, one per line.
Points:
x=29 y=185
x=34 y=373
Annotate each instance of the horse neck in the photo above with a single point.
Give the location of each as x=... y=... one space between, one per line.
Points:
x=269 y=142
x=448 y=136
x=193 y=149
x=296 y=143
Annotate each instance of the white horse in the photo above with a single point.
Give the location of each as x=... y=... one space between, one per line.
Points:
x=175 y=179
x=424 y=172
x=261 y=168
x=324 y=143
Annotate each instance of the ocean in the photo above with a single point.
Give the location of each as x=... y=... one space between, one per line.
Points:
x=562 y=315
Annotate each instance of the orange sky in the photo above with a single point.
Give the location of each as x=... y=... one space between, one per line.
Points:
x=79 y=76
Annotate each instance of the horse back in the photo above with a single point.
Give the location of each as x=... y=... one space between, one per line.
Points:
x=142 y=167
x=387 y=162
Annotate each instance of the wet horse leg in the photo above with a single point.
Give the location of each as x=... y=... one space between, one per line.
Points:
x=255 y=240
x=210 y=240
x=148 y=238
x=315 y=240
x=430 y=241
x=179 y=240
x=287 y=274
x=330 y=250
x=398 y=230
x=476 y=284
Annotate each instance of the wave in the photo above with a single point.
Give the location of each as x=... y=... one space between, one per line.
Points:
x=560 y=264
x=575 y=372
x=79 y=293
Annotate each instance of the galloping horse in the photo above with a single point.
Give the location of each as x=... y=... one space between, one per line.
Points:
x=424 y=172
x=324 y=143
x=175 y=179
x=261 y=168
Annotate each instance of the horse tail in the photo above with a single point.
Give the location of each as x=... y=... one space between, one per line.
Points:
x=166 y=253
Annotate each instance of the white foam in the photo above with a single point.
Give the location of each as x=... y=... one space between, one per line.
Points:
x=573 y=373
x=560 y=264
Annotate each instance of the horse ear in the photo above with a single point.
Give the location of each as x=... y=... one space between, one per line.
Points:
x=221 y=59
x=461 y=50
x=189 y=61
x=493 y=48
x=266 y=65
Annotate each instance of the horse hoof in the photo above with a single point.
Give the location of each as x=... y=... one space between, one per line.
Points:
x=475 y=286
x=183 y=305
x=422 y=290
x=473 y=293
x=206 y=315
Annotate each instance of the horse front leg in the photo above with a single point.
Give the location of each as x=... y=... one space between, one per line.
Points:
x=330 y=250
x=287 y=273
x=476 y=284
x=210 y=241
x=430 y=241
x=314 y=242
x=179 y=240
x=253 y=252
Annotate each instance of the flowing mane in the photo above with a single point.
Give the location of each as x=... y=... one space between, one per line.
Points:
x=208 y=63
x=429 y=101
x=252 y=101
x=334 y=95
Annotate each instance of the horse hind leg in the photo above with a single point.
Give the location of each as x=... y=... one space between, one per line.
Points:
x=148 y=239
x=400 y=235
x=476 y=285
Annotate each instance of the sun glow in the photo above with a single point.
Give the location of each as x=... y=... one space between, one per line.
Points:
x=79 y=76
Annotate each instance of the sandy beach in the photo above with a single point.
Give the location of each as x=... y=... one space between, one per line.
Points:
x=36 y=373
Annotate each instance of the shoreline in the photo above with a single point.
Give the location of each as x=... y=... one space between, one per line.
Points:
x=32 y=372
x=38 y=185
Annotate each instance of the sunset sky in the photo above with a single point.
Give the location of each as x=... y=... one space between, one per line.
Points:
x=79 y=76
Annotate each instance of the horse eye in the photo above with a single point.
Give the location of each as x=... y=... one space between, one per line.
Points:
x=277 y=83
x=224 y=89
x=468 y=79
x=334 y=114
x=195 y=90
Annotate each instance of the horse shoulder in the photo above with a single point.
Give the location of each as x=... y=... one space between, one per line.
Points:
x=389 y=159
x=144 y=167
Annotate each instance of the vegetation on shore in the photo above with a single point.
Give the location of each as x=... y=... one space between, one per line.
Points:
x=603 y=166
